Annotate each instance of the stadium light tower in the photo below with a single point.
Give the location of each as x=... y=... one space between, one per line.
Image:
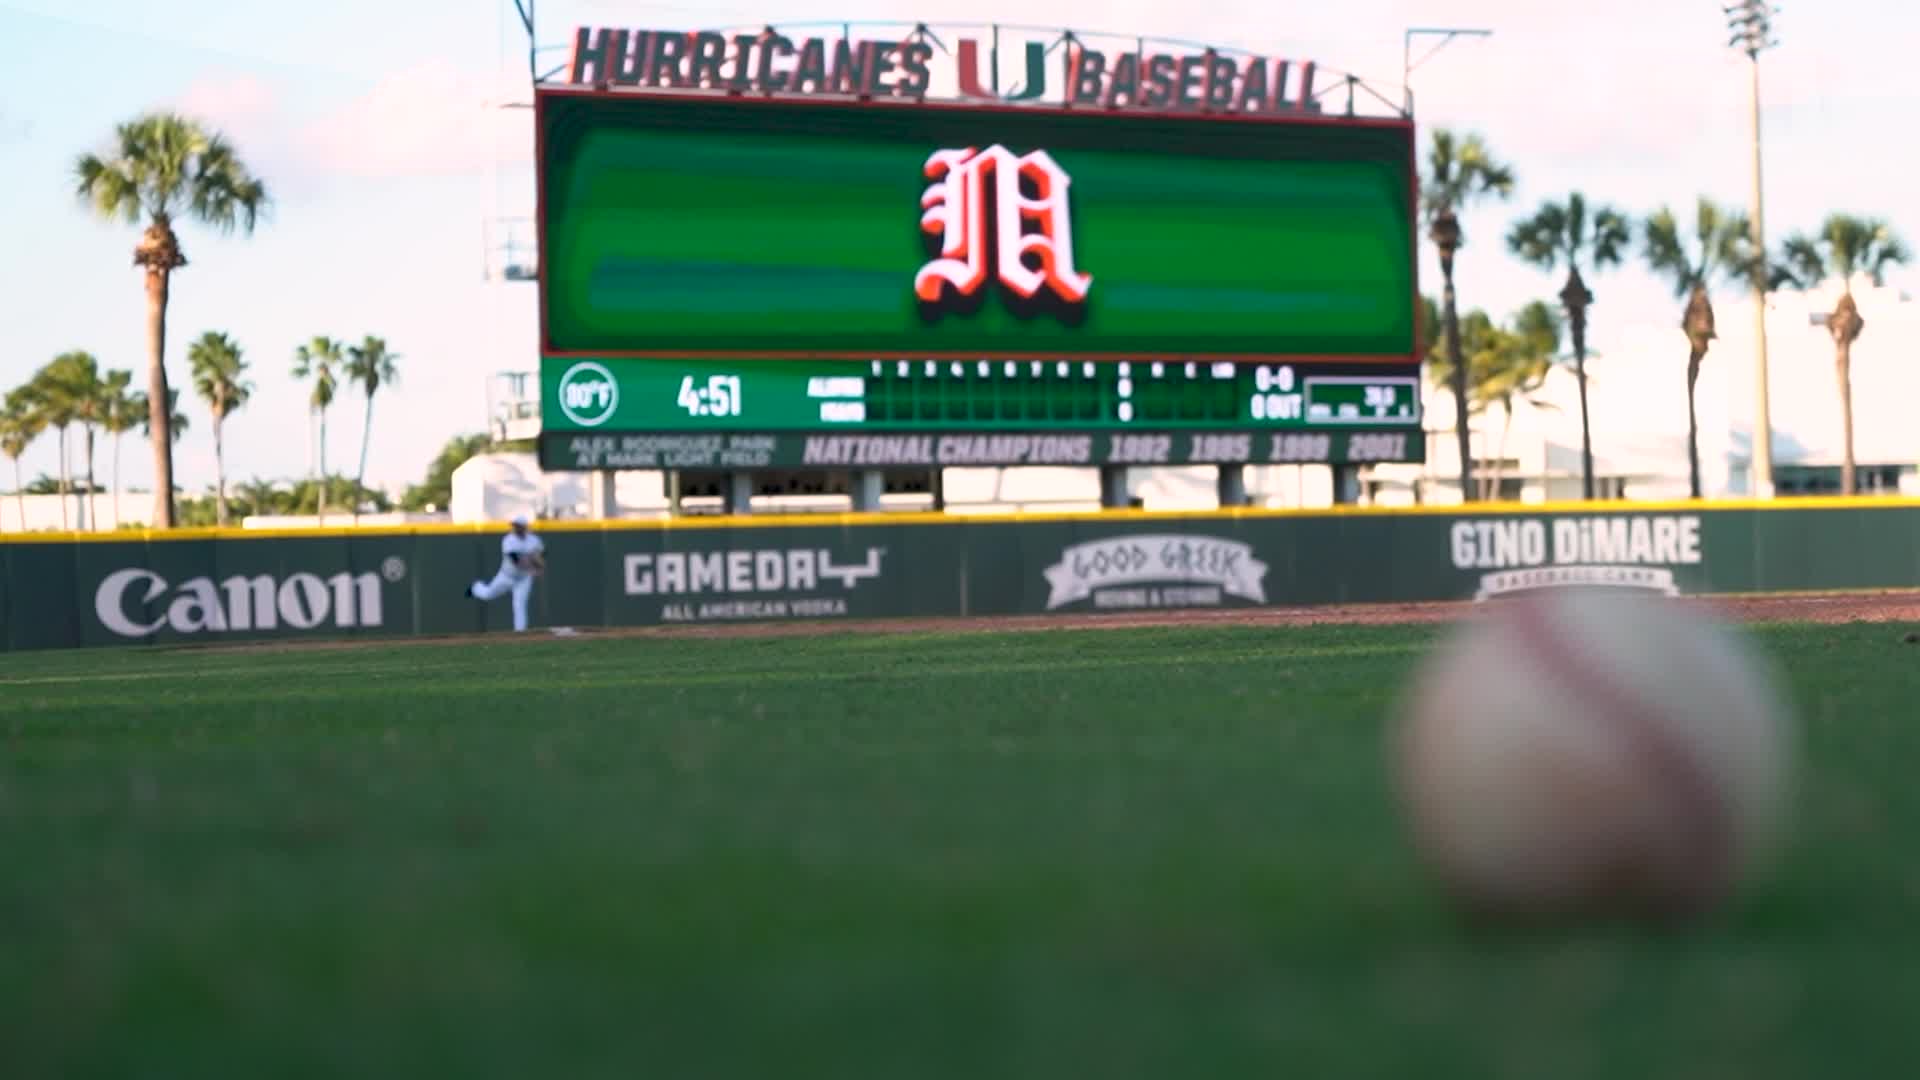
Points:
x=1751 y=24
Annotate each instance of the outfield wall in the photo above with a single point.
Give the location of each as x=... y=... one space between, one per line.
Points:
x=203 y=586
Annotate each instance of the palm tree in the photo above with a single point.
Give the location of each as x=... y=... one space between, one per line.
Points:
x=1565 y=232
x=162 y=166
x=47 y=395
x=1717 y=251
x=372 y=366
x=1460 y=172
x=123 y=414
x=1503 y=365
x=1845 y=247
x=260 y=496
x=1516 y=366
x=219 y=377
x=320 y=360
x=76 y=377
x=20 y=423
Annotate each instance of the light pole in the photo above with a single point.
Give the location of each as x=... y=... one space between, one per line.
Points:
x=1751 y=23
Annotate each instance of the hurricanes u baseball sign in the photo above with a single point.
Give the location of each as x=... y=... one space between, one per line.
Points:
x=1095 y=70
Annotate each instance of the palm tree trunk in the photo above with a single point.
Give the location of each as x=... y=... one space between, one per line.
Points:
x=1693 y=426
x=321 y=494
x=1843 y=360
x=360 y=476
x=117 y=519
x=65 y=522
x=20 y=494
x=1451 y=318
x=159 y=401
x=1578 y=319
x=93 y=512
x=219 y=476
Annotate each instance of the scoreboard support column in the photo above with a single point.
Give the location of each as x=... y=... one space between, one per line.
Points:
x=601 y=503
x=739 y=493
x=1232 y=485
x=1346 y=485
x=868 y=484
x=1113 y=487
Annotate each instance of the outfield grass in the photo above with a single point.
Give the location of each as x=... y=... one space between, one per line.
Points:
x=1051 y=856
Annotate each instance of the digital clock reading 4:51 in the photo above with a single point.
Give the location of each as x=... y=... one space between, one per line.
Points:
x=719 y=396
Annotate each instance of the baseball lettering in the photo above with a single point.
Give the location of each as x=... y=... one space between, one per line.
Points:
x=770 y=63
x=1627 y=540
x=678 y=573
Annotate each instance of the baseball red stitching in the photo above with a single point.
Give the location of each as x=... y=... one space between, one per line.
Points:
x=1700 y=815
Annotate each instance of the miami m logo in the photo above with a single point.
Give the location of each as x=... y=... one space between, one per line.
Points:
x=1031 y=232
x=969 y=65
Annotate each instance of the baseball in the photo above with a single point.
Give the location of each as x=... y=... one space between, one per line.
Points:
x=1578 y=752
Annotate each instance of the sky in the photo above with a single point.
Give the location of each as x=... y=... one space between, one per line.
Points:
x=379 y=129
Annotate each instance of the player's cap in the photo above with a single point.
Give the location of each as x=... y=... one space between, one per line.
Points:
x=520 y=520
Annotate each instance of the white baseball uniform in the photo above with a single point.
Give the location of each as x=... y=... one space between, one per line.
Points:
x=516 y=574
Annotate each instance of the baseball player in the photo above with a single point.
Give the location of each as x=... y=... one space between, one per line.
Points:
x=522 y=559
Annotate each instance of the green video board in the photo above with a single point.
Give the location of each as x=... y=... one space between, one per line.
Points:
x=682 y=227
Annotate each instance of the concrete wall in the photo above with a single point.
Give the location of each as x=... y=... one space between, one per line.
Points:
x=43 y=512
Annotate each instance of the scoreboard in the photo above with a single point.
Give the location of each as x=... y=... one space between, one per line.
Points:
x=738 y=281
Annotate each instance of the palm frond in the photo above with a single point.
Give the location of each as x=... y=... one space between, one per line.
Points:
x=1543 y=238
x=1539 y=327
x=176 y=424
x=1612 y=236
x=1891 y=251
x=319 y=360
x=162 y=164
x=1802 y=264
x=1846 y=239
x=1707 y=227
x=1460 y=171
x=1665 y=253
x=225 y=194
x=1440 y=188
x=371 y=364
x=107 y=189
x=219 y=368
x=1576 y=223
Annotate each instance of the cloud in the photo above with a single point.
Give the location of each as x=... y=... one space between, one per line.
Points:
x=431 y=119
x=243 y=107
x=229 y=99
